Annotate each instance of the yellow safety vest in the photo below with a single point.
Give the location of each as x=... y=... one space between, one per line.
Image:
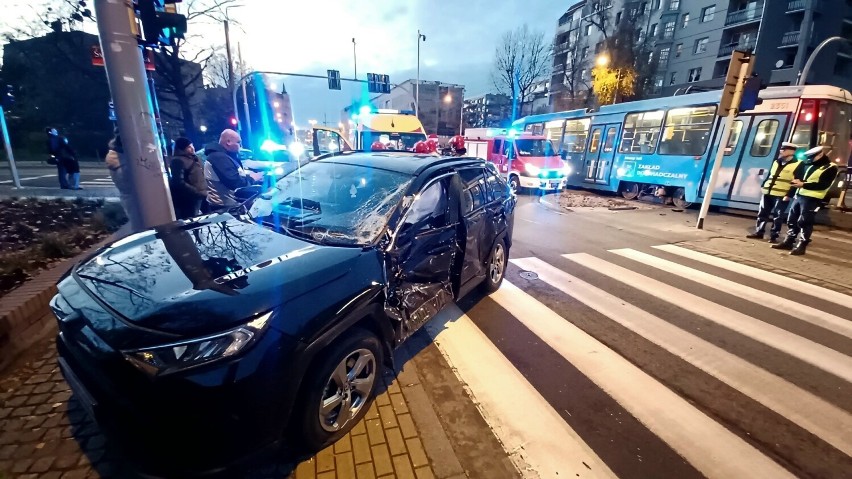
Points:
x=812 y=176
x=778 y=182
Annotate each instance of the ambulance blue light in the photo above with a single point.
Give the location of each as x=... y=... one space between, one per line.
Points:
x=365 y=110
x=512 y=133
x=269 y=146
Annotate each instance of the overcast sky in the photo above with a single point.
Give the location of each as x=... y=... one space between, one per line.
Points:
x=313 y=36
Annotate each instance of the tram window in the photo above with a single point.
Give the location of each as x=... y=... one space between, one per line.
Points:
x=596 y=140
x=609 y=140
x=553 y=129
x=687 y=131
x=764 y=138
x=736 y=130
x=831 y=119
x=576 y=133
x=641 y=131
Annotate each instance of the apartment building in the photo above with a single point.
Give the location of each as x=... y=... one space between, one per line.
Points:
x=691 y=41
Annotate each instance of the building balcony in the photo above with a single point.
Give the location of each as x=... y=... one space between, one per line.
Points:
x=728 y=50
x=790 y=39
x=745 y=15
x=561 y=48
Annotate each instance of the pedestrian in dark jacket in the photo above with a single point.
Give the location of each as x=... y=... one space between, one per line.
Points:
x=224 y=171
x=67 y=167
x=187 y=182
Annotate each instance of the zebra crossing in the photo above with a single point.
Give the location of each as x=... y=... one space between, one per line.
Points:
x=736 y=371
x=98 y=182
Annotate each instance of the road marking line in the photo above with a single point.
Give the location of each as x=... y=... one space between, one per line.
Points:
x=803 y=408
x=718 y=452
x=805 y=313
x=763 y=275
x=804 y=349
x=534 y=434
x=28 y=178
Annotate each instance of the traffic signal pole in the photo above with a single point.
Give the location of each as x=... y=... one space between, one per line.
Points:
x=744 y=69
x=8 y=144
x=142 y=160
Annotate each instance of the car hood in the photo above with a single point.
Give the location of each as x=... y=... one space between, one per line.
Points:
x=207 y=274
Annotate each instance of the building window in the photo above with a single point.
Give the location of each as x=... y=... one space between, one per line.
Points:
x=655 y=5
x=588 y=29
x=700 y=45
x=583 y=74
x=653 y=31
x=643 y=8
x=668 y=30
x=678 y=50
x=598 y=47
x=658 y=84
x=639 y=36
x=707 y=13
x=664 y=56
x=685 y=20
x=585 y=52
x=641 y=131
x=674 y=4
x=673 y=78
x=618 y=18
x=694 y=75
x=687 y=131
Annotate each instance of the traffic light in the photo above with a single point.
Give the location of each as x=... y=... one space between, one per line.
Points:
x=333 y=80
x=234 y=121
x=737 y=59
x=751 y=90
x=161 y=24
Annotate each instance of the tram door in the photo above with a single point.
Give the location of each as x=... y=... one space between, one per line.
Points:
x=759 y=151
x=734 y=150
x=600 y=153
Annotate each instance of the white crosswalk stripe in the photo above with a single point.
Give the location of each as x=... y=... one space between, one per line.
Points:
x=520 y=421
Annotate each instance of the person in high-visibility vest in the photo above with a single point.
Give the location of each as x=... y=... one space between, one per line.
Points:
x=817 y=179
x=777 y=192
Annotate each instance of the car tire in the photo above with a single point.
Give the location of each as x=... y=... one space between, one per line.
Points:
x=495 y=267
x=324 y=384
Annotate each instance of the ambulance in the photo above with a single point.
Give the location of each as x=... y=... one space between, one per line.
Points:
x=397 y=130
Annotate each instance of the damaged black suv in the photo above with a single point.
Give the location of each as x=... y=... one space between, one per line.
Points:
x=207 y=340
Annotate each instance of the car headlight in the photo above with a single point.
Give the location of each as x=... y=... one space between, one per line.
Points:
x=532 y=169
x=566 y=168
x=182 y=355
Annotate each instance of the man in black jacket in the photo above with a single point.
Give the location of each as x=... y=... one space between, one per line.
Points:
x=224 y=171
x=813 y=187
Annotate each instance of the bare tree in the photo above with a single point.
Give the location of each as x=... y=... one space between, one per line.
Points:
x=521 y=59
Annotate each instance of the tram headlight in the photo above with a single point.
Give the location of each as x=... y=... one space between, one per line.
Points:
x=840 y=184
x=532 y=169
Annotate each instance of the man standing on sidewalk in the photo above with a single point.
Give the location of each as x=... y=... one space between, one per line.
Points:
x=224 y=171
x=777 y=191
x=819 y=175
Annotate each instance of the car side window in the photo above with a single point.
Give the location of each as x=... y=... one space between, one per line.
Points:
x=429 y=209
x=473 y=180
x=497 y=190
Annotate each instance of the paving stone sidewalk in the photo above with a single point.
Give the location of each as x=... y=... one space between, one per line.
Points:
x=45 y=434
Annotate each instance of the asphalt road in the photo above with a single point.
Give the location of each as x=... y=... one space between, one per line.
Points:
x=91 y=176
x=605 y=356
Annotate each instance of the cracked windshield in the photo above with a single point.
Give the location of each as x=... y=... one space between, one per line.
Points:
x=415 y=239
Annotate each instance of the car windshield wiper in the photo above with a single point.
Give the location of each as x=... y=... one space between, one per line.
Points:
x=302 y=204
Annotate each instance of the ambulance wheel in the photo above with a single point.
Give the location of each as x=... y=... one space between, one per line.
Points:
x=679 y=199
x=630 y=191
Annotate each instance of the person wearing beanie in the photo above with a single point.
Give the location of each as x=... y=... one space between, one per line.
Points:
x=187 y=182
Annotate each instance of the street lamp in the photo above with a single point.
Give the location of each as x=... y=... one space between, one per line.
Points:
x=228 y=48
x=420 y=36
x=355 y=57
x=448 y=99
x=203 y=128
x=312 y=122
x=602 y=60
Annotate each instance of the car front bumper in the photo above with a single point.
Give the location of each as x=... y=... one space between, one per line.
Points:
x=542 y=183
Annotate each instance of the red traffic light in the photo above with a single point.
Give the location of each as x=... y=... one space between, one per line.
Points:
x=233 y=121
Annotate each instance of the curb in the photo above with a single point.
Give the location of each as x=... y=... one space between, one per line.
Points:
x=25 y=316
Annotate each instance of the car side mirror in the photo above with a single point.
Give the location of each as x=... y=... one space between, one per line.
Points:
x=247 y=193
x=563 y=154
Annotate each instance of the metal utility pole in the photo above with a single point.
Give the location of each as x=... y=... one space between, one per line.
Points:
x=8 y=144
x=245 y=98
x=228 y=53
x=355 y=57
x=420 y=36
x=741 y=64
x=461 y=113
x=803 y=75
x=151 y=202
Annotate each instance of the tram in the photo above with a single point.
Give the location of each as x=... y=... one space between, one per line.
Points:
x=667 y=146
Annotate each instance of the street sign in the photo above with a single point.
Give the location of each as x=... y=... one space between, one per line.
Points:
x=377 y=83
x=333 y=80
x=98 y=58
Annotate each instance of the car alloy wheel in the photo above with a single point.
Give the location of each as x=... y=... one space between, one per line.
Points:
x=347 y=390
x=514 y=184
x=495 y=268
